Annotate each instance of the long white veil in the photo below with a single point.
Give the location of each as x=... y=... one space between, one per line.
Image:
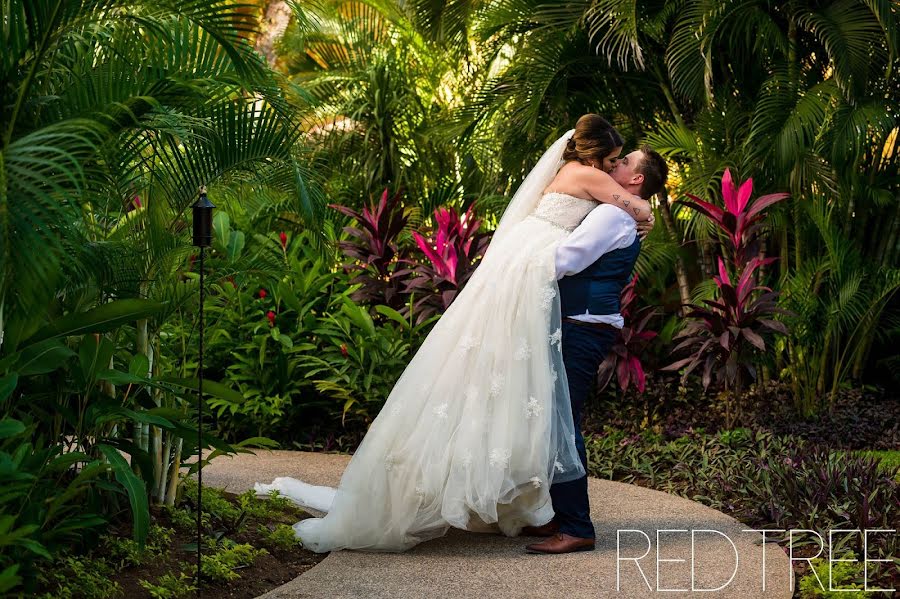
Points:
x=528 y=194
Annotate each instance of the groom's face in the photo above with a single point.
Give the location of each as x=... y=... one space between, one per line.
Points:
x=624 y=171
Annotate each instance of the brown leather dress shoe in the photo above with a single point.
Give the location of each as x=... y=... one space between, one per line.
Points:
x=561 y=543
x=544 y=530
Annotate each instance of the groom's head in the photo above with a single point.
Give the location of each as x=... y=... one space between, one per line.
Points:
x=642 y=172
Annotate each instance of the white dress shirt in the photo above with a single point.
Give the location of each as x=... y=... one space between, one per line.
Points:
x=604 y=229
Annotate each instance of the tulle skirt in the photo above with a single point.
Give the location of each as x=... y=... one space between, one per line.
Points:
x=479 y=424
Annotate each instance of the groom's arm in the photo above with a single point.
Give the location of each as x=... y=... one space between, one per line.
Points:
x=604 y=229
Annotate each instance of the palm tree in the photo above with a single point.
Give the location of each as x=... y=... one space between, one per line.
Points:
x=818 y=83
x=119 y=111
x=799 y=95
x=381 y=78
x=556 y=61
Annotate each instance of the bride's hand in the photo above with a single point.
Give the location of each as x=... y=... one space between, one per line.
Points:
x=645 y=226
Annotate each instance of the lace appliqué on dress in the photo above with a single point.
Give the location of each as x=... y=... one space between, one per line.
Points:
x=500 y=457
x=389 y=462
x=547 y=296
x=533 y=408
x=496 y=385
x=467 y=343
x=441 y=411
x=523 y=351
x=556 y=339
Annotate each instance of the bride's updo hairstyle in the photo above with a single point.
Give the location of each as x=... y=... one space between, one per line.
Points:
x=594 y=139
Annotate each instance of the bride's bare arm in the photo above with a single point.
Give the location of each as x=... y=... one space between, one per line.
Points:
x=604 y=188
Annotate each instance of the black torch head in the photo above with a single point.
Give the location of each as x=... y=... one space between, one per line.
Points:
x=203 y=209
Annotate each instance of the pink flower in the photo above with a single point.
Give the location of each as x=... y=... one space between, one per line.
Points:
x=283 y=237
x=344 y=349
x=262 y=294
x=271 y=316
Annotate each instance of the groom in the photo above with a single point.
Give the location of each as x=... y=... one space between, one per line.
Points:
x=593 y=264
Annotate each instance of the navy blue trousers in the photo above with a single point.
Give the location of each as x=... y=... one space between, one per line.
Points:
x=583 y=349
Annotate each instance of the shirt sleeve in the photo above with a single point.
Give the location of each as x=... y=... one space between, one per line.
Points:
x=604 y=229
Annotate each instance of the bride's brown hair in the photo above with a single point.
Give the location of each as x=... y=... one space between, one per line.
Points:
x=594 y=139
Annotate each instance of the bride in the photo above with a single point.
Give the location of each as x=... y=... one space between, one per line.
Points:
x=479 y=425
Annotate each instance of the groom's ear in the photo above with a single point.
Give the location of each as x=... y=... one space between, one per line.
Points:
x=637 y=179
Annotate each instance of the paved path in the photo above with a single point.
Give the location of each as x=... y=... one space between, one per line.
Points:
x=464 y=564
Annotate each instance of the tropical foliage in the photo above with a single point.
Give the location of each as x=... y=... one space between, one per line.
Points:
x=116 y=112
x=724 y=335
x=799 y=96
x=624 y=359
x=402 y=117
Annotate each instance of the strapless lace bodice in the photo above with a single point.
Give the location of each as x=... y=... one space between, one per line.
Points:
x=563 y=210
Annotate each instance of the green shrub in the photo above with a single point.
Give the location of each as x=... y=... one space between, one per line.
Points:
x=220 y=510
x=355 y=364
x=127 y=552
x=265 y=509
x=45 y=506
x=262 y=357
x=281 y=536
x=186 y=519
x=72 y=577
x=169 y=587
x=226 y=557
x=844 y=576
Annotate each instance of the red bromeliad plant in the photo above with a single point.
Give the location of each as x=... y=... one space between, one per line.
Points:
x=630 y=343
x=452 y=253
x=724 y=336
x=739 y=220
x=375 y=252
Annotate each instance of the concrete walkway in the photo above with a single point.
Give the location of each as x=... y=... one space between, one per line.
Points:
x=464 y=564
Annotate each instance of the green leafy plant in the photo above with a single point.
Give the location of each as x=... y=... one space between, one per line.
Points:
x=123 y=552
x=222 y=513
x=260 y=329
x=842 y=576
x=264 y=509
x=281 y=536
x=225 y=557
x=168 y=586
x=355 y=363
x=73 y=577
x=46 y=504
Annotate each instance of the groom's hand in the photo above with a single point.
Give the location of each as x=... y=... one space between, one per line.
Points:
x=644 y=227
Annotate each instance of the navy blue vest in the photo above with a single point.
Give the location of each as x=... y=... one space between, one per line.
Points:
x=598 y=288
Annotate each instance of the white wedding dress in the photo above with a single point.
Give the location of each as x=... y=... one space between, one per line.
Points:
x=479 y=424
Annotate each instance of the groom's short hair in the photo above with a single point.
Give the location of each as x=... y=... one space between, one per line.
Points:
x=655 y=171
